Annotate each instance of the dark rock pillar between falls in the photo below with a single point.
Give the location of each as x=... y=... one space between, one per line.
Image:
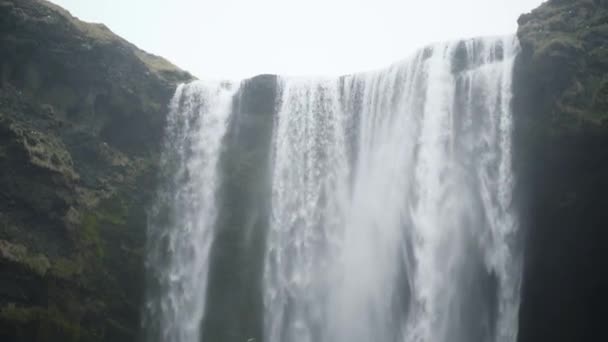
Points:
x=234 y=305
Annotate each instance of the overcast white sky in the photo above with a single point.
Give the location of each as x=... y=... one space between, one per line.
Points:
x=240 y=38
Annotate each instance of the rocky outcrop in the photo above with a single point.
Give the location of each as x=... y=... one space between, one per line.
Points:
x=81 y=118
x=234 y=293
x=561 y=134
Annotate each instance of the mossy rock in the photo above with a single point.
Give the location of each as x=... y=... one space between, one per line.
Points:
x=565 y=56
x=41 y=324
x=81 y=122
x=39 y=264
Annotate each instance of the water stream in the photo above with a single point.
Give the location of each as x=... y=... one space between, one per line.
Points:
x=391 y=215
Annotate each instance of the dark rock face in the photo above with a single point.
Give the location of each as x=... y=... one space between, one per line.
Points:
x=234 y=295
x=81 y=116
x=561 y=135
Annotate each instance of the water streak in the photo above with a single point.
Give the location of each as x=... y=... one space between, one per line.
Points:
x=308 y=191
x=180 y=228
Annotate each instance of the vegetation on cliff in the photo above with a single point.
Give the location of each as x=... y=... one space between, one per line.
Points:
x=81 y=119
x=561 y=134
x=565 y=56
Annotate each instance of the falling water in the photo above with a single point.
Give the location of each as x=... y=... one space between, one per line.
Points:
x=402 y=231
x=391 y=217
x=308 y=196
x=182 y=221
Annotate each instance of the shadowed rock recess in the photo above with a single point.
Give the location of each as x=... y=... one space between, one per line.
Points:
x=82 y=114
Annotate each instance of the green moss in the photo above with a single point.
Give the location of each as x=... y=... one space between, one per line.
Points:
x=19 y=254
x=39 y=264
x=89 y=107
x=89 y=234
x=44 y=150
x=559 y=45
x=51 y=324
x=18 y=315
x=66 y=268
x=113 y=210
x=110 y=212
x=155 y=63
x=563 y=44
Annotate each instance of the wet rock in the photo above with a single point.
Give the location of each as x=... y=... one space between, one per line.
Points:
x=81 y=118
x=561 y=134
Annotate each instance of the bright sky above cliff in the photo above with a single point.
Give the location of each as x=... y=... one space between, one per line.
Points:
x=240 y=38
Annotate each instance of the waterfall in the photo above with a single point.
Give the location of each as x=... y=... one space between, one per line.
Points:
x=389 y=216
x=309 y=183
x=402 y=231
x=181 y=223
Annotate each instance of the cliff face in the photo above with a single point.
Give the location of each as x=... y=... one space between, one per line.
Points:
x=561 y=134
x=81 y=116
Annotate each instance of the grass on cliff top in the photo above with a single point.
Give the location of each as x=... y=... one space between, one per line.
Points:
x=101 y=33
x=155 y=63
x=94 y=31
